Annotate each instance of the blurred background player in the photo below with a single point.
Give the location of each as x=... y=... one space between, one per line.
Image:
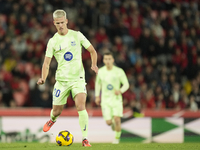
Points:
x=108 y=81
x=66 y=47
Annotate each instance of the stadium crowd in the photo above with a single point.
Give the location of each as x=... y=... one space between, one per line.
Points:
x=156 y=42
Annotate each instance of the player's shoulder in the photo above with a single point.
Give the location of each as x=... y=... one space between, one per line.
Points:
x=101 y=69
x=118 y=69
x=73 y=31
x=51 y=40
x=54 y=38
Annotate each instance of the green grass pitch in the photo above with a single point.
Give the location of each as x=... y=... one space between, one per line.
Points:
x=100 y=146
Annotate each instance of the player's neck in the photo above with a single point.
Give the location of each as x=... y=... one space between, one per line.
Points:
x=109 y=67
x=64 y=32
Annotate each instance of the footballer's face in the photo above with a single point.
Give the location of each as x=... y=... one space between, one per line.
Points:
x=108 y=60
x=61 y=25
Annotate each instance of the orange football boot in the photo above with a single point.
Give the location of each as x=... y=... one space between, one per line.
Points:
x=86 y=143
x=48 y=125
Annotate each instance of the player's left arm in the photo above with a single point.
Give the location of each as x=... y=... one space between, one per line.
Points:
x=84 y=41
x=93 y=55
x=97 y=89
x=125 y=84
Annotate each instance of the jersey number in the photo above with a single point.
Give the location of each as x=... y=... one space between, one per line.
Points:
x=56 y=93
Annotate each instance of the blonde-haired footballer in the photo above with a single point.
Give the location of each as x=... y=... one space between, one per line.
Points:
x=109 y=81
x=66 y=47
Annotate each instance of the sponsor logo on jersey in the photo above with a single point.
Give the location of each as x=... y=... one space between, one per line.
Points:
x=73 y=43
x=68 y=56
x=109 y=87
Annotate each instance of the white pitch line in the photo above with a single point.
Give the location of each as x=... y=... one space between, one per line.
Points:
x=178 y=114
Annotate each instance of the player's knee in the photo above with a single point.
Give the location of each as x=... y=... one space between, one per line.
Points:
x=109 y=122
x=80 y=107
x=80 y=100
x=117 y=120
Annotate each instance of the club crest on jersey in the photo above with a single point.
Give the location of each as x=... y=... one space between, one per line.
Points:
x=68 y=56
x=73 y=43
x=109 y=87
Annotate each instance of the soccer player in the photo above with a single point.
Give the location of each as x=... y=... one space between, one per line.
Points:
x=66 y=47
x=108 y=82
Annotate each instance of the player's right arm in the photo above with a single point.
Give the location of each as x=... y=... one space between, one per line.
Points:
x=46 y=63
x=45 y=70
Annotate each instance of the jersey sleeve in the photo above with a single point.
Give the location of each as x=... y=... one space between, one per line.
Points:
x=83 y=40
x=97 y=85
x=124 y=81
x=49 y=49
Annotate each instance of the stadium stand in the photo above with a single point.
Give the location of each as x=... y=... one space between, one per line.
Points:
x=156 y=42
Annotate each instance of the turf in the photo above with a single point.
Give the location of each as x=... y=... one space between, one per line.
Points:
x=100 y=146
